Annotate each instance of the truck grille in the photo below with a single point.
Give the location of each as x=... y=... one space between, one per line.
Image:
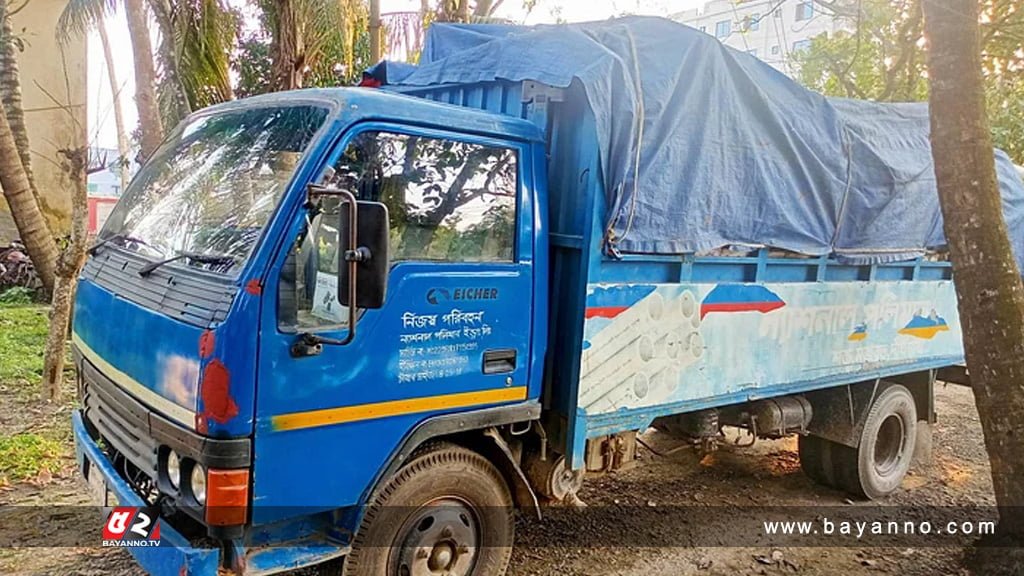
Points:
x=122 y=421
x=196 y=298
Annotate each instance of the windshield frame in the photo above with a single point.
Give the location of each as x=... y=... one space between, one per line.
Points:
x=309 y=159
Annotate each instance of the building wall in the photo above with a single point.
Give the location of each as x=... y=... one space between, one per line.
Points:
x=46 y=67
x=106 y=182
x=768 y=29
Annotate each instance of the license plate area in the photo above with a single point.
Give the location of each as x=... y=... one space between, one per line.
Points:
x=97 y=485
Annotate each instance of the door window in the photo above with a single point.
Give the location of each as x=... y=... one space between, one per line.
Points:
x=448 y=201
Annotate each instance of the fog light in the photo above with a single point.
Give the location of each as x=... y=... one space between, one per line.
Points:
x=198 y=483
x=173 y=469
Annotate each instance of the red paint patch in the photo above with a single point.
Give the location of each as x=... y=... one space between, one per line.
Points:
x=218 y=405
x=605 y=311
x=253 y=287
x=762 y=307
x=206 y=341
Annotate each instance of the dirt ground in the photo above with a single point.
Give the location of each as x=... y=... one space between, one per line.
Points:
x=767 y=474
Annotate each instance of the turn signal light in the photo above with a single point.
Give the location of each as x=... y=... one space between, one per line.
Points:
x=227 y=497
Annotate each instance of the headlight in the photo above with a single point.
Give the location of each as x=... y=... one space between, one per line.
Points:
x=198 y=483
x=173 y=469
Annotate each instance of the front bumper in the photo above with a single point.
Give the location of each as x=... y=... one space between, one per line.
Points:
x=282 y=546
x=175 y=556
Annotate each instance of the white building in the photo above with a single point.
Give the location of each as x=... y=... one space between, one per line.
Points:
x=106 y=182
x=768 y=29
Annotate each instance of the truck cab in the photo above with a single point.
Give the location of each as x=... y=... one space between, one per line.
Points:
x=225 y=383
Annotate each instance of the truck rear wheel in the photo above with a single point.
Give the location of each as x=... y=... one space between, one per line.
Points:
x=816 y=459
x=877 y=467
x=885 y=451
x=447 y=512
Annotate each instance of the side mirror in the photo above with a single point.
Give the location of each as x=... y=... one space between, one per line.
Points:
x=363 y=264
x=363 y=260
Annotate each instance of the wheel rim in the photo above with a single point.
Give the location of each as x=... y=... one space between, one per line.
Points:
x=439 y=538
x=889 y=445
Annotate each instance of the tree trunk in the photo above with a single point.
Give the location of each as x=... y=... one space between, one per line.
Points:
x=68 y=266
x=145 y=78
x=286 y=53
x=989 y=289
x=483 y=8
x=28 y=218
x=177 y=97
x=375 y=52
x=10 y=95
x=115 y=90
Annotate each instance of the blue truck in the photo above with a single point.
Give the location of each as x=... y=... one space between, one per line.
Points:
x=358 y=328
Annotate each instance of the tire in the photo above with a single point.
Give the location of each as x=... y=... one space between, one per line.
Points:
x=816 y=459
x=876 y=468
x=448 y=511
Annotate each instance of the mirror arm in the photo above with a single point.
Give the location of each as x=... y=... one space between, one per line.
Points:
x=311 y=344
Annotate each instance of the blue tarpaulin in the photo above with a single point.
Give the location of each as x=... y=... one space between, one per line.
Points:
x=703 y=146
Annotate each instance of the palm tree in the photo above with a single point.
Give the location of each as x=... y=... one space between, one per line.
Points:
x=10 y=92
x=307 y=34
x=81 y=15
x=15 y=169
x=173 y=100
x=206 y=32
x=123 y=150
x=197 y=38
x=69 y=26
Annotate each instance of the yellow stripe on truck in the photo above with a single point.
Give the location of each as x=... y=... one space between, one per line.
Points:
x=298 y=420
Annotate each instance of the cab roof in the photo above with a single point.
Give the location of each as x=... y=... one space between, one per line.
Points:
x=351 y=105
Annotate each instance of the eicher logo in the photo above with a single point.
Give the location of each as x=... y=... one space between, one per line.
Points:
x=441 y=295
x=132 y=526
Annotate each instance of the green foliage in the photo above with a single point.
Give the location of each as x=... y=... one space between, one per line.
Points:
x=207 y=31
x=27 y=455
x=253 y=66
x=1006 y=115
x=16 y=296
x=884 y=59
x=80 y=16
x=23 y=332
x=879 y=60
x=334 y=47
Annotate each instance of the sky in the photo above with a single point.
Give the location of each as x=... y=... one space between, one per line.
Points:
x=102 y=131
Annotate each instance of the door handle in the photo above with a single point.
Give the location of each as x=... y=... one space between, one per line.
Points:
x=499 y=361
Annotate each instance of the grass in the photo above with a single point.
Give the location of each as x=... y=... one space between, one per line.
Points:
x=27 y=455
x=23 y=330
x=35 y=436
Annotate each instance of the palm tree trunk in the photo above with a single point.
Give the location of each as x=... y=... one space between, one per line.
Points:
x=32 y=228
x=988 y=283
x=287 y=66
x=176 y=97
x=115 y=90
x=10 y=94
x=375 y=53
x=145 y=78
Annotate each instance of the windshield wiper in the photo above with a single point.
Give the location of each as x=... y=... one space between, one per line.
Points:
x=125 y=237
x=185 y=255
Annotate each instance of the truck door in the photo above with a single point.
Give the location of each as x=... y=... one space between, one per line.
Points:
x=454 y=332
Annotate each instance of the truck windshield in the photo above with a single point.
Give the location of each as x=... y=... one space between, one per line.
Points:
x=212 y=187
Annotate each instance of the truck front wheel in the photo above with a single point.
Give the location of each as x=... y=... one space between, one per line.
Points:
x=447 y=512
